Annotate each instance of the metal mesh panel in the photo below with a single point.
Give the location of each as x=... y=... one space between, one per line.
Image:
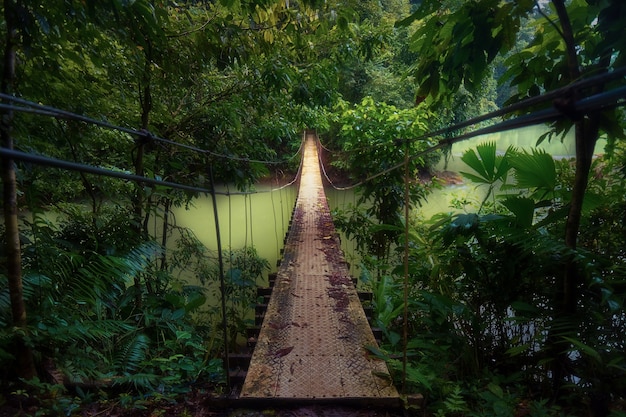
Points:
x=313 y=338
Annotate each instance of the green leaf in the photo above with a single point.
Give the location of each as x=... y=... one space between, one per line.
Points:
x=379 y=353
x=518 y=350
x=522 y=208
x=415 y=375
x=495 y=389
x=473 y=161
x=521 y=306
x=182 y=335
x=195 y=301
x=489 y=167
x=535 y=170
x=583 y=348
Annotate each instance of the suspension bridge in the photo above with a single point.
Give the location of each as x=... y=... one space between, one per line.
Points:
x=313 y=341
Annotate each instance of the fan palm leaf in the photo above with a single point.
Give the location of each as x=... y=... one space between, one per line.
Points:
x=535 y=170
x=489 y=167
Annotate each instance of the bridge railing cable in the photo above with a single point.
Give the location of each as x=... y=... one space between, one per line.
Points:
x=565 y=91
x=583 y=106
x=30 y=107
x=90 y=169
x=27 y=106
x=297 y=175
x=549 y=98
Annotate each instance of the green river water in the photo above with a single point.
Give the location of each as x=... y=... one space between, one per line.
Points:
x=262 y=219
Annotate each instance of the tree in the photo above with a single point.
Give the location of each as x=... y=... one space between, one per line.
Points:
x=21 y=30
x=373 y=138
x=25 y=362
x=457 y=41
x=35 y=30
x=189 y=71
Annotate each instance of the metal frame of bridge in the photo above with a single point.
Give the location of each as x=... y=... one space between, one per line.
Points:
x=312 y=344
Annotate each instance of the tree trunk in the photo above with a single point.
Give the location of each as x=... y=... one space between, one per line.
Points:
x=586 y=135
x=145 y=102
x=25 y=363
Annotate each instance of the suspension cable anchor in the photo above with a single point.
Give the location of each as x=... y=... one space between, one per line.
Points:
x=567 y=107
x=146 y=137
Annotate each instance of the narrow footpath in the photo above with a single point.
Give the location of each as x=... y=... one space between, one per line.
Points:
x=312 y=342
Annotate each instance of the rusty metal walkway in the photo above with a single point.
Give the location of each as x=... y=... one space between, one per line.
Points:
x=312 y=342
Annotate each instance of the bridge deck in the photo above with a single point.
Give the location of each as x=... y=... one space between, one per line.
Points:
x=312 y=342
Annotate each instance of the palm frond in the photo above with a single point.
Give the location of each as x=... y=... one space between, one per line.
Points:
x=489 y=166
x=534 y=170
x=522 y=208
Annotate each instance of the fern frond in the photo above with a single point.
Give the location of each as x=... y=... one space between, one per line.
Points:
x=454 y=402
x=5 y=302
x=132 y=353
x=140 y=381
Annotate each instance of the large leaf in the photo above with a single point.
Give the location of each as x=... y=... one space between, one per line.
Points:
x=583 y=348
x=462 y=225
x=534 y=170
x=489 y=166
x=522 y=208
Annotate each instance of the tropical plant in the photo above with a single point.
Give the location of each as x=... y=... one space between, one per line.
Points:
x=490 y=168
x=244 y=268
x=458 y=40
x=84 y=322
x=480 y=308
x=185 y=71
x=374 y=137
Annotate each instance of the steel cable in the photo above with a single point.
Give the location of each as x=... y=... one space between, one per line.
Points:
x=591 y=104
x=40 y=109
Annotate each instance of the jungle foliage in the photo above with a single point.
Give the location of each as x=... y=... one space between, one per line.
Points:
x=101 y=302
x=516 y=303
x=375 y=138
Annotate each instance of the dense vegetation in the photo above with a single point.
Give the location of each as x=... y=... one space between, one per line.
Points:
x=515 y=303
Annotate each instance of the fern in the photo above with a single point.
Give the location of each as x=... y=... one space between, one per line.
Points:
x=5 y=302
x=453 y=403
x=99 y=330
x=140 y=381
x=132 y=353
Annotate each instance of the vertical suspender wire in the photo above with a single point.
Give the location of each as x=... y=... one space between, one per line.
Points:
x=220 y=261
x=283 y=227
x=405 y=331
x=282 y=217
x=245 y=218
x=282 y=211
x=247 y=259
x=251 y=225
x=275 y=222
x=244 y=261
x=354 y=246
x=231 y=253
x=230 y=225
